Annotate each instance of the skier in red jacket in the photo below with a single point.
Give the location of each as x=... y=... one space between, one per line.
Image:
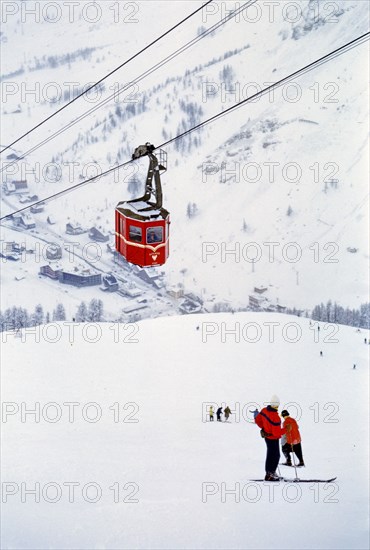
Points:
x=269 y=422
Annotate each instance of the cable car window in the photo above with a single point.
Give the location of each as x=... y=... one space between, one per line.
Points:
x=135 y=233
x=154 y=235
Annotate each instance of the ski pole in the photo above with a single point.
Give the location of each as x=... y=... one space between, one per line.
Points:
x=295 y=467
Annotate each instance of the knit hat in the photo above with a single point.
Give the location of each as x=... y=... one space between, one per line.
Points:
x=274 y=402
x=284 y=413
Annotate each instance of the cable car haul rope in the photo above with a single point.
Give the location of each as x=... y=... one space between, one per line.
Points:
x=324 y=59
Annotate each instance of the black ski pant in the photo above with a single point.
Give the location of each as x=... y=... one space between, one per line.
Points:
x=297 y=449
x=272 y=455
x=211 y=418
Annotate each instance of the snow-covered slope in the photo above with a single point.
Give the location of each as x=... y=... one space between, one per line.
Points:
x=302 y=151
x=161 y=376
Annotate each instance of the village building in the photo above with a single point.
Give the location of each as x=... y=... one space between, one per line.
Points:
x=131 y=290
x=74 y=229
x=25 y=221
x=97 y=234
x=260 y=289
x=77 y=275
x=37 y=208
x=24 y=199
x=149 y=276
x=257 y=302
x=110 y=283
x=190 y=306
x=15 y=187
x=176 y=291
x=53 y=251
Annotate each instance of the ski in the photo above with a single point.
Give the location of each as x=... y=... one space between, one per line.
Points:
x=297 y=480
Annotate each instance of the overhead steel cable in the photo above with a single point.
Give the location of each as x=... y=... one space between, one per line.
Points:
x=307 y=68
x=138 y=79
x=108 y=75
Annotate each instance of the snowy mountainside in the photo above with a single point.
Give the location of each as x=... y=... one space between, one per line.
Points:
x=161 y=444
x=275 y=171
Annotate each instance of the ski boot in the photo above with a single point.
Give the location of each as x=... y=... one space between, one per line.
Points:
x=271 y=477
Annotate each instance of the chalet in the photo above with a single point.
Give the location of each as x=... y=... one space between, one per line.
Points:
x=23 y=199
x=257 y=302
x=134 y=308
x=37 y=208
x=260 y=289
x=15 y=187
x=11 y=250
x=280 y=308
x=74 y=229
x=13 y=156
x=51 y=271
x=50 y=219
x=97 y=234
x=150 y=276
x=25 y=221
x=194 y=298
x=110 y=283
x=130 y=290
x=53 y=251
x=176 y=291
x=189 y=306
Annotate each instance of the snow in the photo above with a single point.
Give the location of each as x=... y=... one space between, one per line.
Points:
x=171 y=371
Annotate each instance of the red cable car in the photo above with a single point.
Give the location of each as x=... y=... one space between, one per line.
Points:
x=142 y=225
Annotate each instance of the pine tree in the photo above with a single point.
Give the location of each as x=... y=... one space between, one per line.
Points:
x=59 y=313
x=37 y=317
x=81 y=315
x=95 y=312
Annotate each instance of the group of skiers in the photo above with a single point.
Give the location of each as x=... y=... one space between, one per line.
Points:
x=227 y=412
x=268 y=420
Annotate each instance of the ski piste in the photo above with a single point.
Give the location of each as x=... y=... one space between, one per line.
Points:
x=297 y=480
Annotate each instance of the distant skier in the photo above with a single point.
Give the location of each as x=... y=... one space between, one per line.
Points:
x=354 y=367
x=269 y=422
x=211 y=413
x=218 y=414
x=320 y=353
x=292 y=442
x=365 y=340
x=227 y=413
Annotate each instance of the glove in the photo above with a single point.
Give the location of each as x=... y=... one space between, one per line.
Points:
x=255 y=413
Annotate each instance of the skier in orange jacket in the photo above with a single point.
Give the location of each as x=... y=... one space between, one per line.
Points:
x=291 y=442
